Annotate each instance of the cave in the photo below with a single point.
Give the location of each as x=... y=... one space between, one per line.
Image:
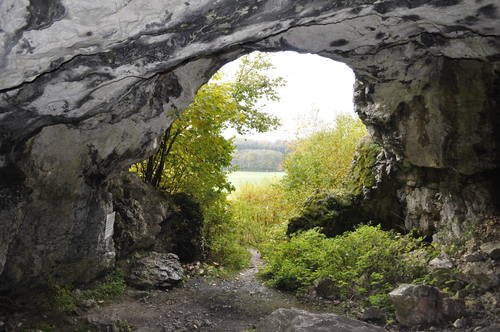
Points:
x=86 y=89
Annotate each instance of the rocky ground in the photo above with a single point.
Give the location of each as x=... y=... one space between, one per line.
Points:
x=202 y=303
x=208 y=303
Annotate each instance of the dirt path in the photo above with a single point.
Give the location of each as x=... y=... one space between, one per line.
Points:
x=203 y=304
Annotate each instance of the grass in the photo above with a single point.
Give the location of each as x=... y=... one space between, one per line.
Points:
x=239 y=179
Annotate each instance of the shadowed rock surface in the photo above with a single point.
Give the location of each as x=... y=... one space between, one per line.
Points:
x=86 y=88
x=297 y=320
x=147 y=219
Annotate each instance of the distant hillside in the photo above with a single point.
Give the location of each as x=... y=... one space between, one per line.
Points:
x=259 y=156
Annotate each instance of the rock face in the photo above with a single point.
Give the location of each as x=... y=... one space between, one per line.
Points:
x=155 y=270
x=140 y=212
x=147 y=219
x=87 y=87
x=296 y=320
x=372 y=197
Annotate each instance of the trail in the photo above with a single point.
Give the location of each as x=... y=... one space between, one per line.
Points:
x=202 y=303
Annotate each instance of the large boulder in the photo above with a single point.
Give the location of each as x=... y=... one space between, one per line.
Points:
x=423 y=305
x=295 y=320
x=147 y=219
x=140 y=211
x=484 y=275
x=155 y=270
x=181 y=231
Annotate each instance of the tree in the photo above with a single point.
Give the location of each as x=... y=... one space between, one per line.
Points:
x=194 y=157
x=322 y=160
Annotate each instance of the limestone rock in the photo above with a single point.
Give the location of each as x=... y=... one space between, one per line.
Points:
x=372 y=314
x=477 y=256
x=141 y=210
x=155 y=270
x=460 y=323
x=442 y=262
x=296 y=320
x=492 y=249
x=87 y=87
x=453 y=308
x=417 y=304
x=481 y=274
x=150 y=220
x=425 y=305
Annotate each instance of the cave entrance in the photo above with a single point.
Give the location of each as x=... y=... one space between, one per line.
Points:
x=266 y=98
x=266 y=133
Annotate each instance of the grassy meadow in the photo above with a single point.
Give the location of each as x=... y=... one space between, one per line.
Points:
x=240 y=178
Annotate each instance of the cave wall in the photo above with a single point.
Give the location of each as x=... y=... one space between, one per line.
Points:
x=87 y=87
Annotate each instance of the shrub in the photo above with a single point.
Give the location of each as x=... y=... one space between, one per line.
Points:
x=256 y=209
x=362 y=263
x=222 y=238
x=111 y=286
x=66 y=299
x=322 y=160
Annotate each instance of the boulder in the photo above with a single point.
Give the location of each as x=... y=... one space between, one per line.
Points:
x=181 y=231
x=372 y=314
x=155 y=270
x=476 y=256
x=424 y=305
x=147 y=219
x=492 y=249
x=370 y=196
x=417 y=304
x=442 y=262
x=140 y=211
x=296 y=320
x=453 y=308
x=481 y=274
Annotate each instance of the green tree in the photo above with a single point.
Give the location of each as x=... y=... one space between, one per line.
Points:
x=322 y=160
x=194 y=157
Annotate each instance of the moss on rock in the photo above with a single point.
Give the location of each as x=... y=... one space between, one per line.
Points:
x=367 y=197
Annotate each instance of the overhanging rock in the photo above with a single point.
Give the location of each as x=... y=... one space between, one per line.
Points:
x=86 y=88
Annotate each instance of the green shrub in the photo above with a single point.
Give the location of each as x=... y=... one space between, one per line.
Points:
x=66 y=299
x=222 y=239
x=62 y=299
x=258 y=208
x=360 y=264
x=111 y=286
x=323 y=160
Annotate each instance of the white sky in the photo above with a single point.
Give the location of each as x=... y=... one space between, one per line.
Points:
x=313 y=83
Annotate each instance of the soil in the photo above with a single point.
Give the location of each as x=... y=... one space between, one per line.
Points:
x=202 y=303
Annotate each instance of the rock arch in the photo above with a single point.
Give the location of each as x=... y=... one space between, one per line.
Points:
x=87 y=87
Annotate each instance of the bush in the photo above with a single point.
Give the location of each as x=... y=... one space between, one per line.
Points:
x=256 y=209
x=222 y=238
x=322 y=160
x=111 y=286
x=65 y=299
x=359 y=264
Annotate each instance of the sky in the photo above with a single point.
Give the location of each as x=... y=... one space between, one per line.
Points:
x=317 y=90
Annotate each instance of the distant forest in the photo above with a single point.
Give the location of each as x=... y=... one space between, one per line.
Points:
x=259 y=156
